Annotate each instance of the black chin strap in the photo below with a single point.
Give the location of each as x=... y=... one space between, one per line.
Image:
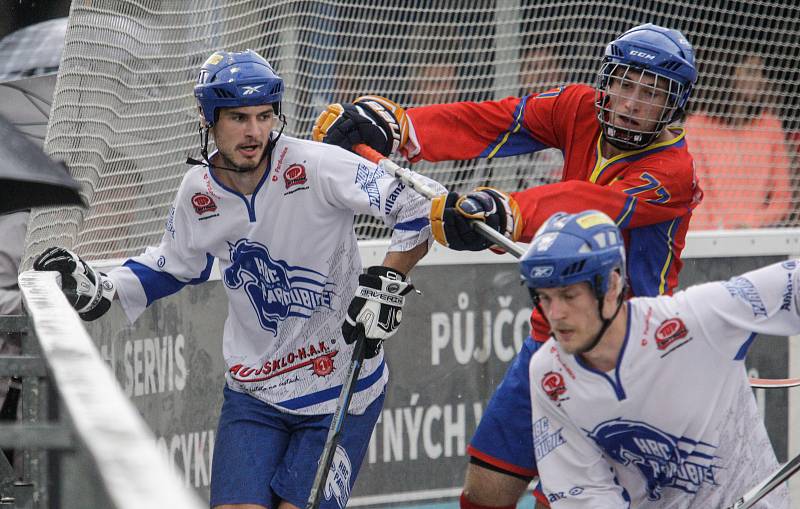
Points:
x=207 y=162
x=606 y=322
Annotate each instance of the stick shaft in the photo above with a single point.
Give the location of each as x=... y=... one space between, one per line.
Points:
x=337 y=422
x=405 y=176
x=762 y=489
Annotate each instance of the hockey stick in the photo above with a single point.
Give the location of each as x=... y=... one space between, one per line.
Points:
x=407 y=177
x=337 y=421
x=774 y=383
x=763 y=488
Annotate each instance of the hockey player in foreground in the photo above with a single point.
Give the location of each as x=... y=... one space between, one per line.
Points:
x=277 y=213
x=621 y=156
x=645 y=403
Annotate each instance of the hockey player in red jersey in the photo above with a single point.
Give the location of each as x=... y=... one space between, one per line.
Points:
x=621 y=156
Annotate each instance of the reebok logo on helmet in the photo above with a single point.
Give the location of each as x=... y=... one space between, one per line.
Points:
x=247 y=89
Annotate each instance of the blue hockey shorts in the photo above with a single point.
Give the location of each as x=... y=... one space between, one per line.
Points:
x=263 y=455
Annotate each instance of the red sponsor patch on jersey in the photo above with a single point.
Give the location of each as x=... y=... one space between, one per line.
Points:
x=553 y=385
x=669 y=332
x=203 y=203
x=323 y=365
x=295 y=175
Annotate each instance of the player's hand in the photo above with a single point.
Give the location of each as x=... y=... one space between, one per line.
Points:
x=88 y=291
x=452 y=214
x=371 y=119
x=378 y=306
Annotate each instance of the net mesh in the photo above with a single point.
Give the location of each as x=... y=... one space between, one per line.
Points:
x=124 y=119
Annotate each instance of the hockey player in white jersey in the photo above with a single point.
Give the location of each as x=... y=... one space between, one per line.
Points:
x=277 y=213
x=645 y=403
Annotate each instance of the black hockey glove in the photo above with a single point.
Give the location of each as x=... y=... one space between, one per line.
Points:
x=371 y=119
x=452 y=214
x=89 y=292
x=378 y=306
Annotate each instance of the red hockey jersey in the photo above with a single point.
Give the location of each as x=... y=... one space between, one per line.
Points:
x=650 y=193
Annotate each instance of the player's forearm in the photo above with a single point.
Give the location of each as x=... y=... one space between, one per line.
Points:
x=404 y=261
x=460 y=131
x=538 y=203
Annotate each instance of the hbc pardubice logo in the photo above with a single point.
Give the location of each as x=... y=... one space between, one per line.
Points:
x=665 y=461
x=337 y=484
x=276 y=289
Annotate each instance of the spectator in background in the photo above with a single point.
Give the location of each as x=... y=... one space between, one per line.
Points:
x=739 y=146
x=542 y=68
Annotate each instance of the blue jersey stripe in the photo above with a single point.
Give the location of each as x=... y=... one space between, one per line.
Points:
x=414 y=225
x=515 y=140
x=159 y=284
x=740 y=355
x=650 y=258
x=332 y=392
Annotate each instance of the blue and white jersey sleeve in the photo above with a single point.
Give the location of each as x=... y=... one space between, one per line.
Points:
x=348 y=181
x=731 y=313
x=573 y=471
x=163 y=270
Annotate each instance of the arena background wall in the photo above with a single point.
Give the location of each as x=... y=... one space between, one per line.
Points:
x=452 y=349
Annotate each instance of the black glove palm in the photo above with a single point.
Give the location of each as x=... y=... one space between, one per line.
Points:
x=89 y=292
x=378 y=306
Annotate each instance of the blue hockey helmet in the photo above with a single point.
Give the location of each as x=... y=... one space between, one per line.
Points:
x=236 y=79
x=573 y=248
x=661 y=52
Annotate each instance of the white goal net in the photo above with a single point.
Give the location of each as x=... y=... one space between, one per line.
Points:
x=124 y=118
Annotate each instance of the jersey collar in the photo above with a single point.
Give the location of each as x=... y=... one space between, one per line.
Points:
x=601 y=163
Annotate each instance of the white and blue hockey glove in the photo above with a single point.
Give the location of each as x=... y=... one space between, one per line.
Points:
x=88 y=291
x=378 y=306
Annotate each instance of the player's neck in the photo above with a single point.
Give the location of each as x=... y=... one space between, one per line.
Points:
x=242 y=182
x=610 y=151
x=604 y=356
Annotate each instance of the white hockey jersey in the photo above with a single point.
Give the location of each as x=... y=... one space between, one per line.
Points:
x=289 y=261
x=675 y=424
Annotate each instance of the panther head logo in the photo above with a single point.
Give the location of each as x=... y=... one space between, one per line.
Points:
x=265 y=281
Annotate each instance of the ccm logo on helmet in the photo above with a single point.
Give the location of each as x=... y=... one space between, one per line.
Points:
x=641 y=54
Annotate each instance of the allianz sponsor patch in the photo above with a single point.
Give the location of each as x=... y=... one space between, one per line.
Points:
x=788 y=292
x=742 y=288
x=392 y=198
